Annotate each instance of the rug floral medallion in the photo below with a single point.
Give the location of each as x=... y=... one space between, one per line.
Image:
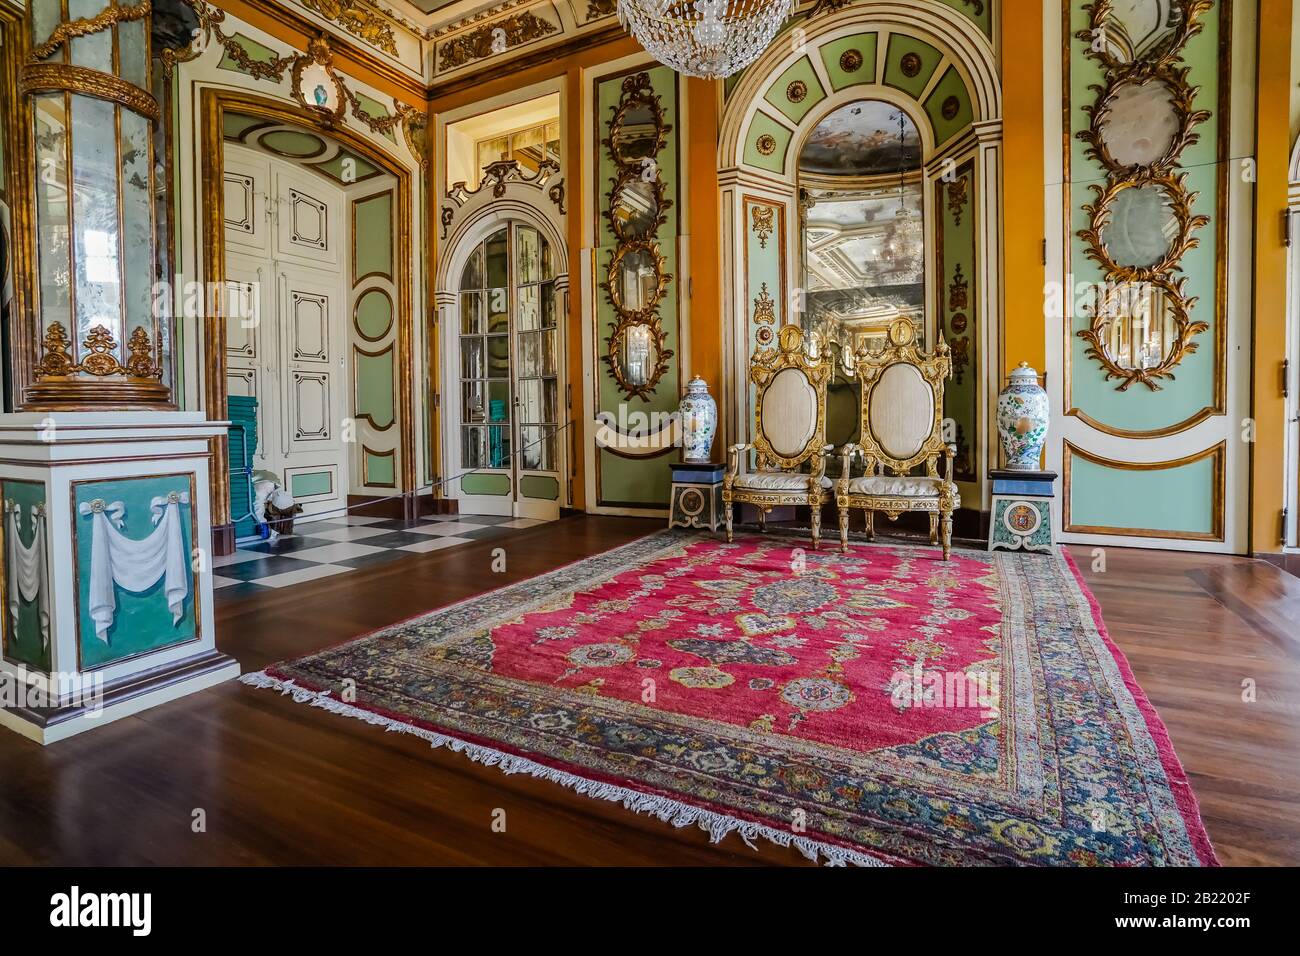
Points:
x=882 y=706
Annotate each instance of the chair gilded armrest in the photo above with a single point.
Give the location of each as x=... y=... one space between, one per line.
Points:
x=847 y=454
x=733 y=462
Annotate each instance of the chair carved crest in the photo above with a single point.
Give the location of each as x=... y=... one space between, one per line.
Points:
x=902 y=396
x=901 y=427
x=789 y=431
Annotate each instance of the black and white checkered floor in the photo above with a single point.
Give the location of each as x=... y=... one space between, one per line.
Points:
x=318 y=549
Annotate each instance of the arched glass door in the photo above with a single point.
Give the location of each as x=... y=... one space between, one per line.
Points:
x=509 y=384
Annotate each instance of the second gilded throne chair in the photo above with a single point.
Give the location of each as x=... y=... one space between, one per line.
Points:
x=901 y=431
x=789 y=434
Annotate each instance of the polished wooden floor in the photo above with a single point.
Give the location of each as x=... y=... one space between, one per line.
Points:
x=278 y=782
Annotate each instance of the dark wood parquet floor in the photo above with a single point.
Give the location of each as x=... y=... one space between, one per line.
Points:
x=281 y=783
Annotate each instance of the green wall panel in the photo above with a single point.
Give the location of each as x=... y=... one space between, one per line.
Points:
x=1177 y=499
x=960 y=321
x=373 y=235
x=309 y=483
x=900 y=46
x=484 y=484
x=539 y=486
x=374 y=315
x=778 y=93
x=143 y=622
x=374 y=377
x=832 y=52
x=1193 y=387
x=24 y=643
x=256 y=52
x=760 y=126
x=379 y=468
x=629 y=481
x=950 y=89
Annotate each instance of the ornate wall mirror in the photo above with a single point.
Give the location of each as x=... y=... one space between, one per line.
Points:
x=1141 y=330
x=1141 y=222
x=637 y=131
x=636 y=206
x=635 y=277
x=863 y=237
x=1134 y=31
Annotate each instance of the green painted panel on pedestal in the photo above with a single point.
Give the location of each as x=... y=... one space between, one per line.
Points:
x=23 y=641
x=142 y=622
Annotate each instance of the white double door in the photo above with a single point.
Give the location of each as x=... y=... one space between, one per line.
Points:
x=286 y=327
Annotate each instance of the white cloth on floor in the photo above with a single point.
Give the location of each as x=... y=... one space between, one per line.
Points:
x=136 y=565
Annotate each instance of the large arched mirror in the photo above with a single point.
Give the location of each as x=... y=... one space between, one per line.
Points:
x=863 y=240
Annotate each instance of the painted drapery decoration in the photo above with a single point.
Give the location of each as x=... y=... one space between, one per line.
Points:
x=26 y=566
x=136 y=566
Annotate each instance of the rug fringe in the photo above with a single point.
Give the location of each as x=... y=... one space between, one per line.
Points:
x=679 y=814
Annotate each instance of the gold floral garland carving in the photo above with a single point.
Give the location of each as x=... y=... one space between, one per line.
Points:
x=275 y=69
x=56 y=360
x=494 y=37
x=87 y=26
x=1159 y=65
x=363 y=22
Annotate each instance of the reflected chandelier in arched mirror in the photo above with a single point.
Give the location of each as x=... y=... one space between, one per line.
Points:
x=863 y=241
x=863 y=228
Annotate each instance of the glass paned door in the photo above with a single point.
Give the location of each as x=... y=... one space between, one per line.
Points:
x=509 y=376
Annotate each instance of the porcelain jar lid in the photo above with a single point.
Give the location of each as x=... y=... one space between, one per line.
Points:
x=1024 y=372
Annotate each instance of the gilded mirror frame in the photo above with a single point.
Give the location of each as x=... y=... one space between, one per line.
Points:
x=1172 y=291
x=1182 y=97
x=1180 y=204
x=1160 y=64
x=637 y=91
x=626 y=176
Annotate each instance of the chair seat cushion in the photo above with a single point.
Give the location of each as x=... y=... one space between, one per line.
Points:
x=775 y=481
x=896 y=487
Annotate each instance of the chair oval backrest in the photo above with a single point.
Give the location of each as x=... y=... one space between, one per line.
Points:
x=901 y=412
x=789 y=412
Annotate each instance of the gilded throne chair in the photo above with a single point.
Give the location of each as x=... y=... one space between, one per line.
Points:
x=901 y=430
x=789 y=432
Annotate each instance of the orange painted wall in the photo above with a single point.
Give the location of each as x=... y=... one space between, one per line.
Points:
x=1272 y=152
x=1024 y=326
x=703 y=111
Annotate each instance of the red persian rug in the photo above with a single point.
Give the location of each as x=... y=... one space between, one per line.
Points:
x=882 y=706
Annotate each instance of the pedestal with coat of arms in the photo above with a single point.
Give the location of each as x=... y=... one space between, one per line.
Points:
x=1022 y=510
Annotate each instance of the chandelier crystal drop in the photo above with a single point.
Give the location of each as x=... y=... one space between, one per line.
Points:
x=711 y=39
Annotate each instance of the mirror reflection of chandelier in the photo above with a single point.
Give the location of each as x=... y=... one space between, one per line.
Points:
x=902 y=248
x=705 y=38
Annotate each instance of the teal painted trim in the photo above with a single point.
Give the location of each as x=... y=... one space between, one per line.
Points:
x=143 y=622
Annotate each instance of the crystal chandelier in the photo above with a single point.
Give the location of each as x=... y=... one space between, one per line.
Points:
x=705 y=38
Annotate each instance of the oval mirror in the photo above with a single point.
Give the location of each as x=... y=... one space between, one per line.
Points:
x=1141 y=123
x=1134 y=31
x=636 y=279
x=637 y=355
x=637 y=131
x=636 y=206
x=1142 y=227
x=1138 y=326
